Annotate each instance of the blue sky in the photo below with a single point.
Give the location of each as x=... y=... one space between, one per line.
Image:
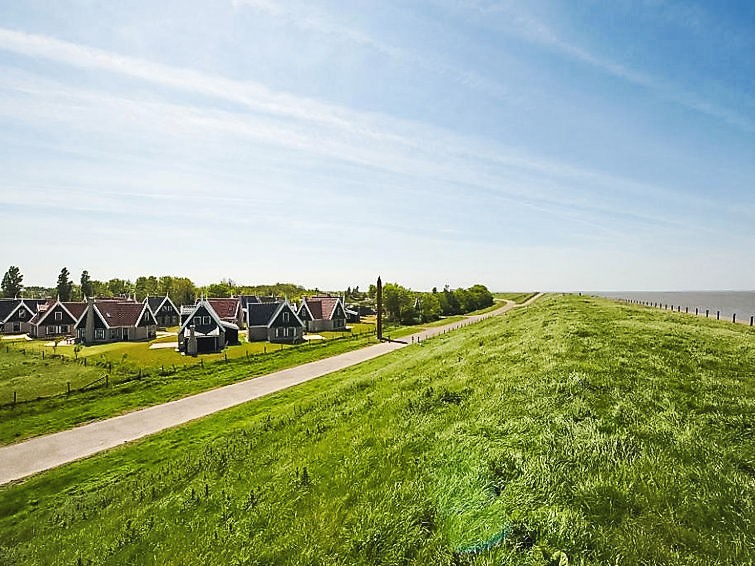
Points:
x=537 y=145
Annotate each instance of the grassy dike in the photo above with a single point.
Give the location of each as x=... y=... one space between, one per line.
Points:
x=613 y=433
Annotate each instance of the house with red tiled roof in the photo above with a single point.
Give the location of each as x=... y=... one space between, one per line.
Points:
x=203 y=331
x=56 y=318
x=322 y=313
x=229 y=309
x=115 y=321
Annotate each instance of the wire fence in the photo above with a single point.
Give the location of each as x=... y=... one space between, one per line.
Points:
x=688 y=310
x=118 y=373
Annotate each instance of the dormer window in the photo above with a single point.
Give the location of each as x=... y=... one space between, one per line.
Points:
x=22 y=313
x=58 y=315
x=206 y=320
x=197 y=321
x=285 y=316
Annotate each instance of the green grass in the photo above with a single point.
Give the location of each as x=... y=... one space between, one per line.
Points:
x=518 y=298
x=615 y=434
x=127 y=391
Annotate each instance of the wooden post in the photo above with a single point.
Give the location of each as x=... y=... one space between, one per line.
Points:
x=379 y=309
x=686 y=310
x=107 y=381
x=69 y=388
x=718 y=315
x=696 y=310
x=706 y=313
x=734 y=317
x=14 y=398
x=751 y=320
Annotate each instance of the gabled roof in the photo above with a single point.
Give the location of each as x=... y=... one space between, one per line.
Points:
x=264 y=314
x=247 y=299
x=226 y=308
x=120 y=313
x=156 y=303
x=74 y=309
x=10 y=306
x=259 y=314
x=321 y=307
x=208 y=306
x=282 y=306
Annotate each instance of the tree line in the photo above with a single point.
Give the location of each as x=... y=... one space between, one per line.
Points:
x=404 y=306
x=181 y=290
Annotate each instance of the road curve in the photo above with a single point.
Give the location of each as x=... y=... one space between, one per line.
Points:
x=42 y=453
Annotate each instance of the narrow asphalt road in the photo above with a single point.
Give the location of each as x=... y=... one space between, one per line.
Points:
x=45 y=452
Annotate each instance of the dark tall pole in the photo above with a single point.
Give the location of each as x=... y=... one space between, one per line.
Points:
x=379 y=309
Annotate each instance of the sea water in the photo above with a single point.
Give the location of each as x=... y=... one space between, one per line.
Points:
x=741 y=303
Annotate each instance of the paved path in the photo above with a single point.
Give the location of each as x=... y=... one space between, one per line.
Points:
x=44 y=452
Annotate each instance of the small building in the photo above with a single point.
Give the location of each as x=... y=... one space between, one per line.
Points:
x=56 y=318
x=164 y=311
x=115 y=321
x=352 y=313
x=16 y=314
x=274 y=322
x=322 y=313
x=204 y=332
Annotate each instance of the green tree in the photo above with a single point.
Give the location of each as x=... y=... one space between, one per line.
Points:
x=146 y=286
x=11 y=285
x=120 y=287
x=65 y=286
x=87 y=289
x=430 y=307
x=182 y=291
x=219 y=290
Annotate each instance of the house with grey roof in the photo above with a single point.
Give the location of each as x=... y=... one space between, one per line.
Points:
x=274 y=322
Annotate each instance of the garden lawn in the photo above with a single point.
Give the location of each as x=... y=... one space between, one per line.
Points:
x=611 y=433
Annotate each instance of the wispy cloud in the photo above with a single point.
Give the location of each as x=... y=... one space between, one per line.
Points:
x=425 y=162
x=305 y=17
x=519 y=22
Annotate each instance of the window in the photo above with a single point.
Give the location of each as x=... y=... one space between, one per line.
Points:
x=99 y=333
x=16 y=327
x=207 y=320
x=22 y=313
x=197 y=321
x=58 y=315
x=285 y=316
x=50 y=330
x=64 y=329
x=278 y=332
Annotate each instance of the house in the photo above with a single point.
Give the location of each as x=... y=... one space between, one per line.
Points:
x=322 y=313
x=204 y=331
x=229 y=310
x=164 y=310
x=56 y=318
x=274 y=322
x=115 y=321
x=16 y=315
x=352 y=313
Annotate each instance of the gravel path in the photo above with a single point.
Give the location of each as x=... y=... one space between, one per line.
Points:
x=45 y=452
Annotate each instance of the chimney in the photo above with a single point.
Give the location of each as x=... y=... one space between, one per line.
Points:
x=89 y=325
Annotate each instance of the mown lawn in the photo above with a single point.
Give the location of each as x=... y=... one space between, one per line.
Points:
x=33 y=376
x=610 y=433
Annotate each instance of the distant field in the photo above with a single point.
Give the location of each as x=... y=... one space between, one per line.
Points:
x=518 y=298
x=615 y=434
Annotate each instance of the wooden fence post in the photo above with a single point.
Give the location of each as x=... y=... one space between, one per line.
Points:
x=68 y=384
x=706 y=313
x=718 y=315
x=107 y=381
x=751 y=320
x=696 y=310
x=734 y=317
x=14 y=398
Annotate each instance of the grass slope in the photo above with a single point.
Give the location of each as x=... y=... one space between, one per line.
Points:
x=613 y=433
x=518 y=298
